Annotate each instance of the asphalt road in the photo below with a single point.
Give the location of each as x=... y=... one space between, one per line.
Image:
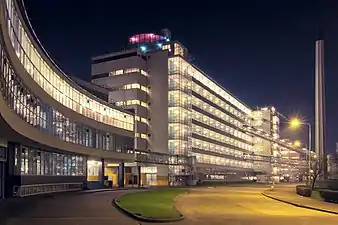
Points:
x=70 y=209
x=244 y=205
x=221 y=205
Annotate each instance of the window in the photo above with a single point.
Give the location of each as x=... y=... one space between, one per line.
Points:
x=54 y=84
x=39 y=162
x=178 y=50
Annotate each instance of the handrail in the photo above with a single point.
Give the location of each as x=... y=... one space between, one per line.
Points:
x=38 y=189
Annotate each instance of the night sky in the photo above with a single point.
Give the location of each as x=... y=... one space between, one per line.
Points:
x=262 y=52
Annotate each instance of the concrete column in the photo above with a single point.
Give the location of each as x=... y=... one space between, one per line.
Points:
x=121 y=175
x=102 y=173
x=320 y=105
x=139 y=176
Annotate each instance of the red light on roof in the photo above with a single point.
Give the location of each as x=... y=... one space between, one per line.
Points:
x=145 y=38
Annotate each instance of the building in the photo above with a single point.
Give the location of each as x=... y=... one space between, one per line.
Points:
x=151 y=117
x=282 y=160
x=180 y=110
x=54 y=135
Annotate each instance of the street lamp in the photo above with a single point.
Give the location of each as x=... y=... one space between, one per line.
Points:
x=296 y=123
x=297 y=143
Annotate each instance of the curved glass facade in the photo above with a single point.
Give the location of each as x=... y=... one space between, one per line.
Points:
x=48 y=120
x=55 y=85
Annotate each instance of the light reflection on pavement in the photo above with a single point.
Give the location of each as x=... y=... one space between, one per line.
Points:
x=215 y=206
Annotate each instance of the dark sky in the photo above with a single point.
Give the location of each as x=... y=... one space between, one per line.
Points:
x=261 y=51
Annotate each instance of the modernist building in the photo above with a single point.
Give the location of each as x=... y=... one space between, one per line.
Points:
x=59 y=133
x=180 y=110
x=53 y=133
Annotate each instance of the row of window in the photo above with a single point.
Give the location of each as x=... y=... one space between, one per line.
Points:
x=215 y=160
x=30 y=161
x=208 y=95
x=55 y=85
x=209 y=83
x=204 y=132
x=220 y=126
x=179 y=115
x=216 y=112
x=178 y=50
x=207 y=146
x=179 y=131
x=132 y=102
x=179 y=98
x=140 y=135
x=135 y=86
x=48 y=120
x=141 y=119
x=179 y=147
x=166 y=47
x=126 y=71
x=179 y=82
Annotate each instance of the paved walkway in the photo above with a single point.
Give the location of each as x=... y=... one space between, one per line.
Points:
x=287 y=193
x=244 y=206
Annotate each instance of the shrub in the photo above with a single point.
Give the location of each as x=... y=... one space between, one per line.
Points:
x=303 y=190
x=329 y=195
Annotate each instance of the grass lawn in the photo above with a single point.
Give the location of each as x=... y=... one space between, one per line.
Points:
x=152 y=204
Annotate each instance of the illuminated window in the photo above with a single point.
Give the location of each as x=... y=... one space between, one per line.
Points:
x=56 y=85
x=178 y=50
x=144 y=73
x=166 y=47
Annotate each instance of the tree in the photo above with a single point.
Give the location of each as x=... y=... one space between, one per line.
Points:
x=317 y=169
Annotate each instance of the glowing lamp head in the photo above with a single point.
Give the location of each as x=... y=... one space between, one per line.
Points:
x=295 y=123
x=297 y=143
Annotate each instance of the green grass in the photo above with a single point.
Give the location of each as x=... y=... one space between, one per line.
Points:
x=152 y=204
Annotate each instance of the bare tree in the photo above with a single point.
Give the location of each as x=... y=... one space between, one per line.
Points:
x=317 y=169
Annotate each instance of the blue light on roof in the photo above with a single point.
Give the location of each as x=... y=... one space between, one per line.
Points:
x=167 y=39
x=159 y=45
x=143 y=48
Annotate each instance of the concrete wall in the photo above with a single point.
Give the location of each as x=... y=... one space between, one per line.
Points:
x=117 y=81
x=130 y=62
x=158 y=109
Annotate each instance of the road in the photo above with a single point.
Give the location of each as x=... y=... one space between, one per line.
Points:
x=244 y=205
x=221 y=205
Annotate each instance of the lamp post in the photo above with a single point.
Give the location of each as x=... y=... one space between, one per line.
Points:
x=296 y=123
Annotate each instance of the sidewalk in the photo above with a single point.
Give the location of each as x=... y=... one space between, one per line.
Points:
x=287 y=194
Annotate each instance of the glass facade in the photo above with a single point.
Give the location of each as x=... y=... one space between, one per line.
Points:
x=205 y=122
x=58 y=86
x=30 y=161
x=48 y=120
x=179 y=113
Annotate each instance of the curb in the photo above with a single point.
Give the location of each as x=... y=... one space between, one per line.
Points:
x=299 y=205
x=143 y=219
